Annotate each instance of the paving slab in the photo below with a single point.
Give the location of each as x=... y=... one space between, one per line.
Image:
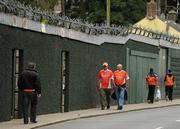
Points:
x=61 y=117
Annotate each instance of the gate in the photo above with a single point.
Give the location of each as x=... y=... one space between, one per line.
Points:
x=138 y=64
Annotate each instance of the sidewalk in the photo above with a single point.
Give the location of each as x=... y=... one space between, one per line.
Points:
x=60 y=117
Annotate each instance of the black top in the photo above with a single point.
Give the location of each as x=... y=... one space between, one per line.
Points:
x=29 y=79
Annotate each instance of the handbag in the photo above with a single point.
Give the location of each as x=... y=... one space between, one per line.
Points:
x=113 y=95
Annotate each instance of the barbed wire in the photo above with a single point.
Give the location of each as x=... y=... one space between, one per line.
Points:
x=36 y=14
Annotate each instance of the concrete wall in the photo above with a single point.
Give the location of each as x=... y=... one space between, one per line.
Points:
x=35 y=48
x=174 y=64
x=85 y=61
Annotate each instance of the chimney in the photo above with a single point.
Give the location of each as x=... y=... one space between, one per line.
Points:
x=58 y=7
x=151 y=10
x=171 y=16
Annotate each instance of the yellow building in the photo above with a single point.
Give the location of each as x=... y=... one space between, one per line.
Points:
x=153 y=23
x=157 y=25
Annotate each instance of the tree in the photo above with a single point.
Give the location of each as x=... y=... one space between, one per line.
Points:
x=123 y=12
x=127 y=12
x=44 y=4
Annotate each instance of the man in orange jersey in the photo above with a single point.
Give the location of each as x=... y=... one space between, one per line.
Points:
x=121 y=81
x=169 y=82
x=105 y=79
x=151 y=81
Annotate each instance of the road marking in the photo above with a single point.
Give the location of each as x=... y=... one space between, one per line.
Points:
x=159 y=128
x=177 y=120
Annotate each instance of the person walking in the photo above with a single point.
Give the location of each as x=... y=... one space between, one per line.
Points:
x=105 y=79
x=169 y=81
x=151 y=81
x=121 y=83
x=30 y=86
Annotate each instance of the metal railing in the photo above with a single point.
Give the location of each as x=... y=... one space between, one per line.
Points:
x=33 y=13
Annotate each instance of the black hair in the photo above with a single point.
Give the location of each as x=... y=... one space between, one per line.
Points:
x=169 y=71
x=31 y=65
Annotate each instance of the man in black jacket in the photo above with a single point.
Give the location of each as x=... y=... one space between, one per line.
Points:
x=30 y=86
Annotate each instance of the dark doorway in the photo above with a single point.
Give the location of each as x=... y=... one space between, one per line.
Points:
x=64 y=81
x=17 y=69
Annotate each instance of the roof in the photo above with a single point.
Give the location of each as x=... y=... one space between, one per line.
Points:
x=175 y=25
x=157 y=25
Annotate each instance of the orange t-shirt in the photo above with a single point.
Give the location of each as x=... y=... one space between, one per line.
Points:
x=120 y=77
x=169 y=81
x=105 y=77
x=151 y=80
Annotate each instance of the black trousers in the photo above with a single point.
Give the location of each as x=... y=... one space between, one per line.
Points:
x=29 y=100
x=169 y=92
x=151 y=93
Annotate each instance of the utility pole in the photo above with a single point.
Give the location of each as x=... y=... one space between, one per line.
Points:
x=178 y=6
x=177 y=11
x=108 y=9
x=165 y=4
x=158 y=7
x=63 y=7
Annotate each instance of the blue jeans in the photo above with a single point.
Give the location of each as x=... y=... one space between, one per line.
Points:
x=120 y=91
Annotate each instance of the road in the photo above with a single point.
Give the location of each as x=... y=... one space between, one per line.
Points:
x=161 y=118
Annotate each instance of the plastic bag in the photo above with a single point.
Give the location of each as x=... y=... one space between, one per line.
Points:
x=158 y=95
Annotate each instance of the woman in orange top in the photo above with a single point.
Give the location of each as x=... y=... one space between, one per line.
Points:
x=151 y=81
x=169 y=82
x=120 y=79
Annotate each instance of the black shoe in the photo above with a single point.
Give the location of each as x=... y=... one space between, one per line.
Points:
x=150 y=102
x=25 y=122
x=120 y=108
x=102 y=108
x=108 y=107
x=33 y=121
